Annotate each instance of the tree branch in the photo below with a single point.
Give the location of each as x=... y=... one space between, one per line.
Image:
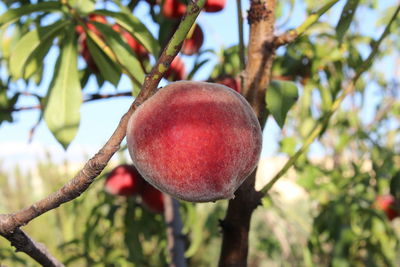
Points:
x=22 y=242
x=10 y=223
x=175 y=239
x=324 y=120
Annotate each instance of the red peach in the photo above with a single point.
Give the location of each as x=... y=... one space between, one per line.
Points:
x=173 y=9
x=214 y=5
x=231 y=82
x=196 y=141
x=386 y=204
x=124 y=180
x=176 y=70
x=152 y=198
x=192 y=44
x=136 y=47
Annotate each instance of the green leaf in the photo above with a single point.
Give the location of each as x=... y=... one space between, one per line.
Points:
x=62 y=109
x=14 y=14
x=35 y=60
x=38 y=39
x=124 y=53
x=6 y=105
x=107 y=68
x=83 y=6
x=395 y=185
x=345 y=18
x=281 y=96
x=135 y=27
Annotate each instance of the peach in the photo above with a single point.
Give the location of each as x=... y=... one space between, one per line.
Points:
x=152 y=198
x=82 y=44
x=136 y=47
x=192 y=44
x=176 y=70
x=386 y=204
x=173 y=9
x=214 y=5
x=124 y=180
x=196 y=141
x=231 y=82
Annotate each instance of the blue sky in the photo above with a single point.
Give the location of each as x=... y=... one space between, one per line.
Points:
x=100 y=118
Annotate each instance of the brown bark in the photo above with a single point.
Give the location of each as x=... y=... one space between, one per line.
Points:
x=261 y=51
x=22 y=242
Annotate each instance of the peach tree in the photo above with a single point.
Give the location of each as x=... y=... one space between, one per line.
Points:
x=310 y=79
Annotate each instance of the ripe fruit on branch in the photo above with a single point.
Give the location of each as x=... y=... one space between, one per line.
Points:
x=386 y=204
x=196 y=141
x=152 y=198
x=214 y=5
x=176 y=70
x=124 y=180
x=192 y=44
x=173 y=9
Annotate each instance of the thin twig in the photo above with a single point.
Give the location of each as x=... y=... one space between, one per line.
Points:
x=88 y=98
x=292 y=35
x=241 y=37
x=323 y=122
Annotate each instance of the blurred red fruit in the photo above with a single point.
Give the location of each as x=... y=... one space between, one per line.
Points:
x=176 y=71
x=85 y=53
x=124 y=180
x=82 y=45
x=139 y=49
x=97 y=18
x=214 y=5
x=231 y=82
x=173 y=9
x=192 y=44
x=386 y=204
x=152 y=198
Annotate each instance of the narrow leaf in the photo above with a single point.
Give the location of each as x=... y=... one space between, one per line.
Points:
x=123 y=52
x=13 y=14
x=107 y=68
x=345 y=18
x=135 y=27
x=35 y=60
x=281 y=96
x=395 y=185
x=62 y=110
x=29 y=43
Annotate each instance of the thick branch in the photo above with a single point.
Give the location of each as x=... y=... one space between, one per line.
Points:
x=261 y=51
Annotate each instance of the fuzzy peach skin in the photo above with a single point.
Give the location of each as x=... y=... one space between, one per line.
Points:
x=196 y=141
